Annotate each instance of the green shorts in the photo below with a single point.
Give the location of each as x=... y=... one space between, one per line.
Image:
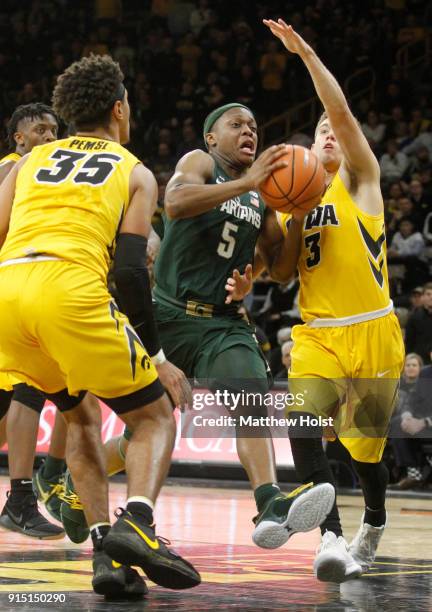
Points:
x=217 y=352
x=194 y=344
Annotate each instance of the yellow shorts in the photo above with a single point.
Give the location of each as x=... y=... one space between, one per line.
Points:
x=350 y=374
x=60 y=328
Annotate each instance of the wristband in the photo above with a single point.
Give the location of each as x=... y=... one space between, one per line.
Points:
x=159 y=358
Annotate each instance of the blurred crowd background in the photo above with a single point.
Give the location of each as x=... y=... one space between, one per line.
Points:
x=181 y=59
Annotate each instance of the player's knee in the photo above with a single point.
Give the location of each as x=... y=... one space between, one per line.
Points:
x=157 y=414
x=21 y=415
x=375 y=471
x=86 y=414
x=242 y=398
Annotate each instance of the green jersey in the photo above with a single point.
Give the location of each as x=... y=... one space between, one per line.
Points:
x=198 y=254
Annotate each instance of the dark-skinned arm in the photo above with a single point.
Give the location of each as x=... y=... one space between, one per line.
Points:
x=5 y=169
x=188 y=193
x=279 y=253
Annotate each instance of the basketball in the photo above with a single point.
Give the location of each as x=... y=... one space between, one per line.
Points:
x=299 y=185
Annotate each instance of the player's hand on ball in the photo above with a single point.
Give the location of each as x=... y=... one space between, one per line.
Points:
x=298 y=214
x=291 y=40
x=264 y=165
x=176 y=384
x=239 y=285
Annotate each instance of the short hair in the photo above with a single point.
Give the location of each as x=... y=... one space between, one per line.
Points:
x=324 y=116
x=320 y=120
x=27 y=111
x=427 y=286
x=86 y=91
x=415 y=356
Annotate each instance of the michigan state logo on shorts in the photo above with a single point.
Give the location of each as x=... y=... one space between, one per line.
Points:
x=197 y=309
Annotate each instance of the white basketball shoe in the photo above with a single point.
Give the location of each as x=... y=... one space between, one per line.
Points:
x=334 y=562
x=364 y=545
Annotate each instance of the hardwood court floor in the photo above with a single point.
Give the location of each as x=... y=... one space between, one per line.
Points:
x=212 y=528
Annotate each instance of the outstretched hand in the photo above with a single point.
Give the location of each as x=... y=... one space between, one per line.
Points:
x=291 y=40
x=239 y=285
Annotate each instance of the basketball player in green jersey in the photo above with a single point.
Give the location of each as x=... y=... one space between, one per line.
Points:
x=215 y=220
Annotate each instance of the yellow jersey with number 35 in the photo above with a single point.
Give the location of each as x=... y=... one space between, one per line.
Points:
x=71 y=196
x=342 y=264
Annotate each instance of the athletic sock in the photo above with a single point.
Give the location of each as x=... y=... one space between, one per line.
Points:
x=98 y=532
x=264 y=493
x=141 y=510
x=53 y=467
x=20 y=489
x=376 y=518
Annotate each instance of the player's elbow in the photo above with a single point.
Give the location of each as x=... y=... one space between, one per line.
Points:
x=174 y=202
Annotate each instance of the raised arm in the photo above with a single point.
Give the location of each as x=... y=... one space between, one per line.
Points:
x=359 y=158
x=188 y=194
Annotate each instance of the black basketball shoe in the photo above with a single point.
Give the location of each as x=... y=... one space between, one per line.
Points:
x=25 y=518
x=116 y=581
x=132 y=541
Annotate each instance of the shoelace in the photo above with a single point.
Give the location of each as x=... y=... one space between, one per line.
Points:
x=71 y=499
x=57 y=490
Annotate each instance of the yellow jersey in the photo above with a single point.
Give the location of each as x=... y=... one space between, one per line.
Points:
x=342 y=264
x=12 y=157
x=70 y=198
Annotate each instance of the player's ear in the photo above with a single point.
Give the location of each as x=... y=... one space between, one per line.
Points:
x=118 y=110
x=19 y=138
x=211 y=139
